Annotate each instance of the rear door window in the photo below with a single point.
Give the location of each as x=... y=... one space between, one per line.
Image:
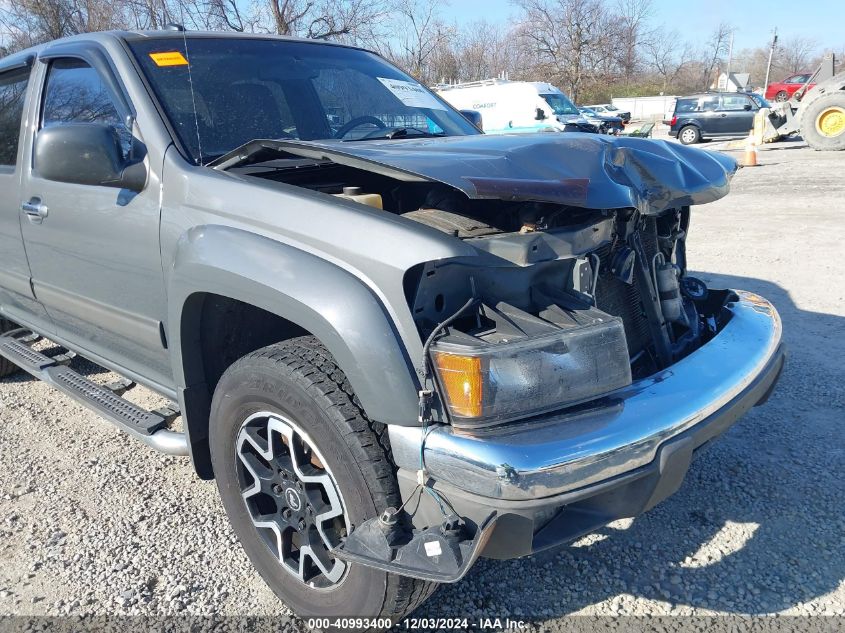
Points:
x=13 y=86
x=686 y=105
x=709 y=103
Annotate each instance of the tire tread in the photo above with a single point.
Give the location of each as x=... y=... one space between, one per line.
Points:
x=305 y=360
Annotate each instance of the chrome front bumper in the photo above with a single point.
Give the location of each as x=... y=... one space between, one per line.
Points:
x=623 y=432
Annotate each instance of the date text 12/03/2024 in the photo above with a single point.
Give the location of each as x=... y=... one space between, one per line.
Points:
x=420 y=624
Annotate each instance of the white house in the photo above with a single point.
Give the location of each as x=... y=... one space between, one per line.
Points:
x=738 y=82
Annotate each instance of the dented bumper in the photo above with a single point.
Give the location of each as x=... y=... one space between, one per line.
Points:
x=563 y=476
x=620 y=434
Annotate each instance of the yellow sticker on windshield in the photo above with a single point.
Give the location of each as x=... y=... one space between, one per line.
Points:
x=170 y=58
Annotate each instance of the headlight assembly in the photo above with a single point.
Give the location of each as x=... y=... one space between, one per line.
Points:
x=493 y=382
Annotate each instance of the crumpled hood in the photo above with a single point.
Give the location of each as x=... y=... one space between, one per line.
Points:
x=585 y=170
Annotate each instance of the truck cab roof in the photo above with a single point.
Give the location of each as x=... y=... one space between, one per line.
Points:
x=103 y=37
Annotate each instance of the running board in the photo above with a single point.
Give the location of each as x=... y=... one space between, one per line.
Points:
x=147 y=426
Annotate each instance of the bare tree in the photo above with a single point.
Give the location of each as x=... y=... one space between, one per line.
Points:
x=753 y=61
x=322 y=19
x=218 y=15
x=29 y=22
x=667 y=55
x=794 y=55
x=592 y=49
x=716 y=46
x=423 y=33
x=630 y=27
x=570 y=38
x=480 y=50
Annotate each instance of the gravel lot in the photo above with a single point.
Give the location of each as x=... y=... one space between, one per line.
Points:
x=92 y=522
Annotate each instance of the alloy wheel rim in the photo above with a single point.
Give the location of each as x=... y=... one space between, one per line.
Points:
x=292 y=498
x=831 y=122
x=688 y=135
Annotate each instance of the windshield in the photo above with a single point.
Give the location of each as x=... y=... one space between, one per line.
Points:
x=223 y=92
x=559 y=103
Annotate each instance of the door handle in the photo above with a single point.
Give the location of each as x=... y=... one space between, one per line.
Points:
x=35 y=210
x=723 y=115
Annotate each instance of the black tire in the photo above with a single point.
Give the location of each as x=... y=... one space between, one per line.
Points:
x=813 y=118
x=299 y=380
x=782 y=96
x=7 y=367
x=689 y=135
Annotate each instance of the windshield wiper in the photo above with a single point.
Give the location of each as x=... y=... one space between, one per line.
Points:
x=395 y=132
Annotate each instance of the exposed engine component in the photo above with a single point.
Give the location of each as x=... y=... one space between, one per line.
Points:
x=453 y=223
x=619 y=261
x=622 y=265
x=669 y=289
x=356 y=194
x=694 y=288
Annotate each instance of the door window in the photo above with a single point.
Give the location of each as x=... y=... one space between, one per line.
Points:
x=12 y=94
x=708 y=104
x=686 y=105
x=735 y=102
x=75 y=93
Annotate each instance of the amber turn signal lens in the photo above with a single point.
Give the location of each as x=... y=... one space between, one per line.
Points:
x=460 y=377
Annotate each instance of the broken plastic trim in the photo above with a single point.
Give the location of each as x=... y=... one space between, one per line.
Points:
x=440 y=553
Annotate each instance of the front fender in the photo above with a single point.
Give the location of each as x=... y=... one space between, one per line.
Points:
x=331 y=303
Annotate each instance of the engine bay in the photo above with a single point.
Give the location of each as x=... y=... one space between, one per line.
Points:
x=541 y=268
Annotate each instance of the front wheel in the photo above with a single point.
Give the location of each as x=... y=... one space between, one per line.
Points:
x=689 y=135
x=823 y=122
x=298 y=466
x=782 y=96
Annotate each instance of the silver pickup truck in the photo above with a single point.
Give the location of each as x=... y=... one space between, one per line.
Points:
x=396 y=344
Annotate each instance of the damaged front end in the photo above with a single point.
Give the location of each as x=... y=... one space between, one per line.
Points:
x=579 y=282
x=576 y=292
x=563 y=314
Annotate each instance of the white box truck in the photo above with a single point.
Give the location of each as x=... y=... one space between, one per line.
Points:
x=508 y=107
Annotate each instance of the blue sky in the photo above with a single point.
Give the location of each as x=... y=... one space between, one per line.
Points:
x=753 y=19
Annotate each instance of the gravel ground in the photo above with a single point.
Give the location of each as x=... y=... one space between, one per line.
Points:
x=92 y=522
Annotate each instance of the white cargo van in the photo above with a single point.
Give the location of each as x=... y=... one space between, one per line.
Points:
x=516 y=106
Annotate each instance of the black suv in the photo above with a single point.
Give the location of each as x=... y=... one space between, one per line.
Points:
x=714 y=114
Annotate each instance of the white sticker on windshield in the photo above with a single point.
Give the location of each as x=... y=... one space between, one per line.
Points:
x=412 y=94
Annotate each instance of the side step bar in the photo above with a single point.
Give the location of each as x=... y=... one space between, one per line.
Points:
x=147 y=426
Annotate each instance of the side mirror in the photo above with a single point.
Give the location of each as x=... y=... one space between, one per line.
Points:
x=474 y=117
x=86 y=154
x=747 y=107
x=540 y=115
